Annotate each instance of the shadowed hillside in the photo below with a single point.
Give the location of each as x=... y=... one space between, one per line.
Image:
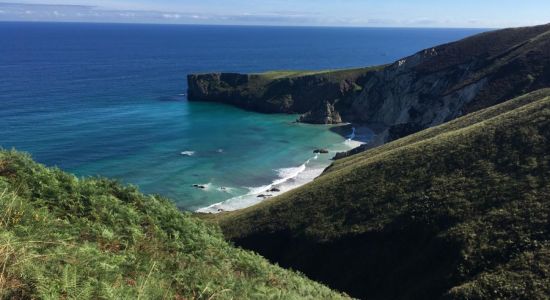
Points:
x=458 y=211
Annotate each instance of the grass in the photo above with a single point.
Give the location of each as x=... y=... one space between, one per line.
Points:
x=336 y=75
x=458 y=211
x=67 y=238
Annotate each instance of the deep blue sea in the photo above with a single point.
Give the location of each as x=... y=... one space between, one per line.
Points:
x=109 y=99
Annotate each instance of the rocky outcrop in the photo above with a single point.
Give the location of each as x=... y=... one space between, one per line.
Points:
x=324 y=114
x=442 y=83
x=318 y=96
x=416 y=92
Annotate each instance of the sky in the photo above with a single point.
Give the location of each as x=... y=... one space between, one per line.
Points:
x=360 y=13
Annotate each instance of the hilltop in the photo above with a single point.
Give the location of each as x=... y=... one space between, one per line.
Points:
x=457 y=211
x=67 y=238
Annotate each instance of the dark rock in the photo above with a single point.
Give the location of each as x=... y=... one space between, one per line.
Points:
x=351 y=152
x=199 y=186
x=321 y=151
x=324 y=114
x=264 y=196
x=274 y=190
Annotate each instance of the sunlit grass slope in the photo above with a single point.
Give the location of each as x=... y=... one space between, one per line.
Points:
x=68 y=238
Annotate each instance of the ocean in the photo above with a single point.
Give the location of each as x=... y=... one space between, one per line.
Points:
x=109 y=100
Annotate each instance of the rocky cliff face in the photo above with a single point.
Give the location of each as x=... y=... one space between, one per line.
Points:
x=416 y=92
x=318 y=96
x=442 y=83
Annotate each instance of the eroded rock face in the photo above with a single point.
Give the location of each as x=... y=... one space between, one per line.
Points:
x=426 y=89
x=317 y=96
x=324 y=114
x=442 y=83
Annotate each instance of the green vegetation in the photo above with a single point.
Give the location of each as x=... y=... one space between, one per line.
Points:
x=458 y=211
x=334 y=75
x=68 y=238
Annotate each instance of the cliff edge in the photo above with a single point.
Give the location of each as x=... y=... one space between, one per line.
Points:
x=321 y=97
x=420 y=91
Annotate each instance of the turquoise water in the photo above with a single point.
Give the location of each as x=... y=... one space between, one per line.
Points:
x=103 y=99
x=231 y=148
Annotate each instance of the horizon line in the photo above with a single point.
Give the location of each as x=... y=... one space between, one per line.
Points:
x=257 y=25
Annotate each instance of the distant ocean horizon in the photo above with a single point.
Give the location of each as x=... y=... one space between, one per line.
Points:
x=109 y=100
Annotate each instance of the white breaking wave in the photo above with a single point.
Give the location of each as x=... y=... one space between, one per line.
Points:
x=288 y=179
x=252 y=197
x=353 y=144
x=289 y=173
x=187 y=153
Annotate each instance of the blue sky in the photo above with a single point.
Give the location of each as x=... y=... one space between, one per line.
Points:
x=376 y=13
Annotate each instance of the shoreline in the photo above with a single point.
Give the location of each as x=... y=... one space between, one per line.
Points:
x=291 y=178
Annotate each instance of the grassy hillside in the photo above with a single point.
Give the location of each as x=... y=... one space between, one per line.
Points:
x=68 y=238
x=459 y=211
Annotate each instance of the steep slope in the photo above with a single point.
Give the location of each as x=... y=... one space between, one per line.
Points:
x=416 y=92
x=66 y=238
x=442 y=83
x=458 y=211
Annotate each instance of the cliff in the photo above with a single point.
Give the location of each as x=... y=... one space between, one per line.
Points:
x=319 y=96
x=423 y=90
x=457 y=211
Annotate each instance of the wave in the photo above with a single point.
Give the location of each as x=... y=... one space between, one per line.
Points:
x=254 y=194
x=286 y=174
x=287 y=179
x=187 y=153
x=353 y=143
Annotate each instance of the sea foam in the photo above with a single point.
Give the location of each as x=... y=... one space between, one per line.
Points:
x=287 y=179
x=187 y=153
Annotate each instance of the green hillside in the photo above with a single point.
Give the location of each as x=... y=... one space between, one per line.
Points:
x=458 y=211
x=68 y=238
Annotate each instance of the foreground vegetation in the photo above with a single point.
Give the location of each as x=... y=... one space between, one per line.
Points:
x=68 y=238
x=459 y=211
